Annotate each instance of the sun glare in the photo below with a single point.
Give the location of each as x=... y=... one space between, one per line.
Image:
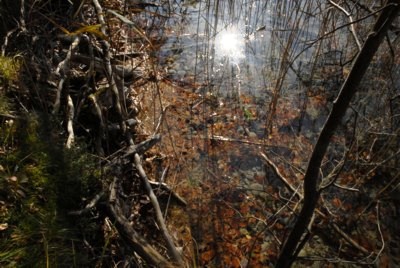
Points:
x=230 y=43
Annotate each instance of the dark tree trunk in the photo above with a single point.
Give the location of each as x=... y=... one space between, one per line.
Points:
x=311 y=178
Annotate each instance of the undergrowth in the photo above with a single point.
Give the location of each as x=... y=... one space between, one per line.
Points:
x=40 y=182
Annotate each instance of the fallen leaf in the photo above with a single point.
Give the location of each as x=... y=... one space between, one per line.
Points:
x=207 y=256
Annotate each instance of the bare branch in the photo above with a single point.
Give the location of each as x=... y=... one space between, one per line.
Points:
x=143 y=146
x=378 y=224
x=89 y=206
x=351 y=24
x=138 y=243
x=312 y=178
x=160 y=220
x=70 y=127
x=108 y=67
x=279 y=174
x=62 y=70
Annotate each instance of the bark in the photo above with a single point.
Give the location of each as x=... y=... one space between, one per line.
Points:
x=311 y=178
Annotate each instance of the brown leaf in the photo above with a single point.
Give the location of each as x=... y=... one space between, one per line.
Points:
x=207 y=256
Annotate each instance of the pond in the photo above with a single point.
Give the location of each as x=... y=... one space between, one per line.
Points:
x=240 y=73
x=244 y=60
x=236 y=47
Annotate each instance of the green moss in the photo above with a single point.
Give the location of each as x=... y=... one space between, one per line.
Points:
x=40 y=182
x=9 y=68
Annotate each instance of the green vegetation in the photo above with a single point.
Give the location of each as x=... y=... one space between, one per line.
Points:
x=40 y=183
x=9 y=71
x=9 y=68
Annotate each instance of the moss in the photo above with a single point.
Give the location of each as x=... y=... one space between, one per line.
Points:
x=40 y=182
x=9 y=68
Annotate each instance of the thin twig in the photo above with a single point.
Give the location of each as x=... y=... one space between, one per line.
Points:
x=62 y=70
x=101 y=130
x=227 y=139
x=108 y=67
x=279 y=174
x=320 y=213
x=160 y=220
x=89 y=206
x=138 y=243
x=380 y=232
x=160 y=120
x=70 y=127
x=349 y=239
x=352 y=29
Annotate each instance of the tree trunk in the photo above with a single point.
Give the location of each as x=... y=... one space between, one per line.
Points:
x=311 y=178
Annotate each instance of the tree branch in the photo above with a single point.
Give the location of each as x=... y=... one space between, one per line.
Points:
x=160 y=220
x=340 y=105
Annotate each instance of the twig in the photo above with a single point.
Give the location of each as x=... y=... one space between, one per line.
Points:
x=346 y=188
x=380 y=232
x=108 y=67
x=62 y=70
x=89 y=206
x=227 y=139
x=165 y=187
x=320 y=213
x=9 y=116
x=6 y=38
x=113 y=191
x=138 y=243
x=164 y=174
x=349 y=239
x=101 y=131
x=160 y=120
x=352 y=30
x=143 y=146
x=279 y=174
x=70 y=127
x=160 y=220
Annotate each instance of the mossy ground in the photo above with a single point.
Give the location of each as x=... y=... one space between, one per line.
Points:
x=40 y=182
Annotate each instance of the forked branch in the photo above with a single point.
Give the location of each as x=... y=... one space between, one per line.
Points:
x=312 y=179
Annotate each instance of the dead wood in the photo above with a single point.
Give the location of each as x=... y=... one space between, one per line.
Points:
x=137 y=242
x=121 y=70
x=160 y=220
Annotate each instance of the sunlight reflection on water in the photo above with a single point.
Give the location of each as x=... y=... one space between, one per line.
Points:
x=230 y=43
